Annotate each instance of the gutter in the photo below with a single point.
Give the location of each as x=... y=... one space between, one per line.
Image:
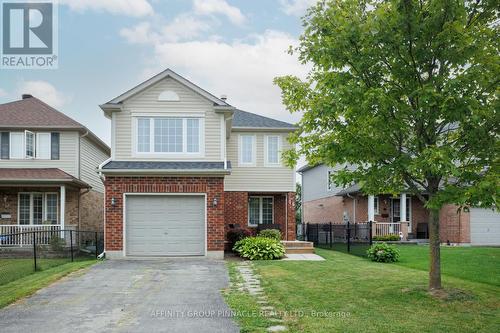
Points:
x=164 y=171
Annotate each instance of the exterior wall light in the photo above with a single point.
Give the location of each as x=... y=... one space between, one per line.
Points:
x=113 y=201
x=214 y=203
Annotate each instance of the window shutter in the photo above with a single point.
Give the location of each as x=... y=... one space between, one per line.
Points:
x=54 y=146
x=4 y=146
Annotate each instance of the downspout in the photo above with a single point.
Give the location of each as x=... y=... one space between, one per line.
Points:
x=353 y=207
x=80 y=152
x=80 y=194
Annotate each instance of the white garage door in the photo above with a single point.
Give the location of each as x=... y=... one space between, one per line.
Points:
x=165 y=225
x=484 y=227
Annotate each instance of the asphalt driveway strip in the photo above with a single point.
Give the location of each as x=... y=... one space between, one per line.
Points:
x=154 y=295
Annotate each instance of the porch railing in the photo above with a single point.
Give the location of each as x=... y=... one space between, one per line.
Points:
x=17 y=235
x=387 y=228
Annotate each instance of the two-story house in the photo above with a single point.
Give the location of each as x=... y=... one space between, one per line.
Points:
x=324 y=202
x=186 y=167
x=48 y=177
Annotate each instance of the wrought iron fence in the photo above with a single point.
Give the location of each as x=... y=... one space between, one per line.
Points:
x=353 y=238
x=26 y=252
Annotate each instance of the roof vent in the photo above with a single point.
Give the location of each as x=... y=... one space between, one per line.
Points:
x=223 y=97
x=25 y=96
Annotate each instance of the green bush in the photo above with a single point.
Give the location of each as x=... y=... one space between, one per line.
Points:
x=235 y=235
x=383 y=253
x=270 y=233
x=57 y=243
x=259 y=248
x=386 y=238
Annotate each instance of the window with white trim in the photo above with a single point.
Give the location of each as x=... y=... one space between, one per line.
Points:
x=36 y=208
x=273 y=150
x=247 y=149
x=260 y=210
x=29 y=142
x=17 y=145
x=330 y=182
x=43 y=146
x=376 y=205
x=169 y=135
x=30 y=145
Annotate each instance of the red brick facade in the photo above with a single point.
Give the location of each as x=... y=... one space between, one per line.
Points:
x=454 y=225
x=236 y=212
x=116 y=186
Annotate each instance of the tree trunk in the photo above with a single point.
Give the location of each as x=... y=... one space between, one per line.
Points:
x=434 y=251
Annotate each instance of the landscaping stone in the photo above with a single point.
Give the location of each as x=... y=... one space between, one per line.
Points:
x=277 y=328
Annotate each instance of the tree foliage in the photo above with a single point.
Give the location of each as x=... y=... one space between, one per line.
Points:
x=405 y=90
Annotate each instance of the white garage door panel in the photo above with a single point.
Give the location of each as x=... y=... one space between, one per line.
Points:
x=165 y=225
x=484 y=227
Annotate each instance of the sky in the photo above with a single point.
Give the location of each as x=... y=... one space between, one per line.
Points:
x=228 y=47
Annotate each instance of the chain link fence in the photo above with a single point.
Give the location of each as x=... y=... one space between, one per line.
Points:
x=28 y=252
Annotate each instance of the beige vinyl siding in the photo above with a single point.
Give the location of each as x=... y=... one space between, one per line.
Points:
x=68 y=161
x=90 y=158
x=147 y=102
x=258 y=178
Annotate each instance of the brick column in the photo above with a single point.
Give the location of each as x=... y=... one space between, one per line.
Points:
x=290 y=202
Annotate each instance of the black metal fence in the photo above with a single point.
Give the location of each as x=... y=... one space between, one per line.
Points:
x=353 y=238
x=26 y=252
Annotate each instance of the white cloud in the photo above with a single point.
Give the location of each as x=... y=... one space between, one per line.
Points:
x=243 y=70
x=209 y=7
x=43 y=91
x=296 y=7
x=134 y=8
x=3 y=93
x=183 y=27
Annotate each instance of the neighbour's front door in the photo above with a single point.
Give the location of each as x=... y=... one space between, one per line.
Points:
x=396 y=210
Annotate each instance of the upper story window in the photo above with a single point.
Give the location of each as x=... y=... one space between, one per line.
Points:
x=331 y=184
x=169 y=135
x=272 y=150
x=168 y=96
x=247 y=150
x=29 y=145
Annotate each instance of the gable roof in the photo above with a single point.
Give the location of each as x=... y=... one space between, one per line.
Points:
x=158 y=77
x=32 y=113
x=244 y=119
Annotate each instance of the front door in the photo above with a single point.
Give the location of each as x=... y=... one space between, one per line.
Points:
x=396 y=210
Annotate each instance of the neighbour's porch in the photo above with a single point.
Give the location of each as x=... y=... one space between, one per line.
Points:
x=44 y=201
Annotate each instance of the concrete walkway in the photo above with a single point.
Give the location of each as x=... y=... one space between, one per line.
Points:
x=164 y=295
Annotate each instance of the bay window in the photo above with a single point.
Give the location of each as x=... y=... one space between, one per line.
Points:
x=37 y=208
x=260 y=210
x=167 y=135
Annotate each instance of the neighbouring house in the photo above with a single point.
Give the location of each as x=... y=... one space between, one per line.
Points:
x=48 y=171
x=186 y=167
x=324 y=202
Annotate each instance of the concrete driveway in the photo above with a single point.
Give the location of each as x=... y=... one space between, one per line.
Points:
x=164 y=295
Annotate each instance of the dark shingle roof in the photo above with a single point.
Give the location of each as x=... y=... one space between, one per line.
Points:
x=247 y=119
x=38 y=174
x=151 y=165
x=32 y=112
x=349 y=190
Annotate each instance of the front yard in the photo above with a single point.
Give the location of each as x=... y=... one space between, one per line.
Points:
x=346 y=293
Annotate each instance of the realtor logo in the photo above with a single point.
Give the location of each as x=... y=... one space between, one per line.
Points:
x=29 y=34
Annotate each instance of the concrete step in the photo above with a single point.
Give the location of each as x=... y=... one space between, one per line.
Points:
x=288 y=244
x=299 y=250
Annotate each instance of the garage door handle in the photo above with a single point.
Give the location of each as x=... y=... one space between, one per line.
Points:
x=165 y=233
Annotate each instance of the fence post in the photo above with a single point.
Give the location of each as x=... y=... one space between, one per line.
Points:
x=370 y=233
x=317 y=233
x=331 y=235
x=34 y=249
x=71 y=244
x=96 y=254
x=348 y=237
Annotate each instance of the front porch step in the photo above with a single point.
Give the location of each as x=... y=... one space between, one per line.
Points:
x=298 y=247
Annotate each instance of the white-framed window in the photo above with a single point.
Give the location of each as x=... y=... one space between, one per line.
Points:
x=396 y=209
x=37 y=207
x=272 y=150
x=247 y=150
x=260 y=210
x=329 y=180
x=376 y=205
x=30 y=145
x=169 y=135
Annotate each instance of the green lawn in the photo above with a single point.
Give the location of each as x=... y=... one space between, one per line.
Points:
x=24 y=282
x=346 y=293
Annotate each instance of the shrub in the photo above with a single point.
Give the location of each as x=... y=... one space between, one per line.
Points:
x=56 y=243
x=386 y=238
x=259 y=248
x=270 y=233
x=235 y=235
x=383 y=253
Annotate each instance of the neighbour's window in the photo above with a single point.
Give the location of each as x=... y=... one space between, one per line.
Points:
x=331 y=184
x=43 y=141
x=376 y=205
x=17 y=145
x=260 y=210
x=31 y=145
x=247 y=149
x=168 y=135
x=29 y=140
x=408 y=208
x=272 y=150
x=36 y=208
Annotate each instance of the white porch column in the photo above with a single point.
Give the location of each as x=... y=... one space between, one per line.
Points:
x=371 y=208
x=402 y=207
x=62 y=208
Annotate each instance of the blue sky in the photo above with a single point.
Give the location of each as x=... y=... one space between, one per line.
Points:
x=232 y=47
